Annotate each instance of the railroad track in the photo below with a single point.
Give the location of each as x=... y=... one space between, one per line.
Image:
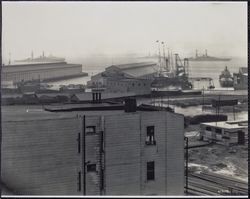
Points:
x=215 y=184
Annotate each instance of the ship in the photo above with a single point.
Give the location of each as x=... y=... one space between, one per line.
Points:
x=225 y=78
x=205 y=57
x=42 y=58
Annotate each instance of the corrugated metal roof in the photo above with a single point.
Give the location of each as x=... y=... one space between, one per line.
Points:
x=133 y=65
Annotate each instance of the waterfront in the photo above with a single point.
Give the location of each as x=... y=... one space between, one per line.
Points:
x=106 y=100
x=95 y=64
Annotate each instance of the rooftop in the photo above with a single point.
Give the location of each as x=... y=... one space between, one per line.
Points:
x=20 y=113
x=133 y=65
x=241 y=124
x=36 y=66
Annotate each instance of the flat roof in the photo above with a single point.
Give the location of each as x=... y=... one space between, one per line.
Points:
x=35 y=67
x=240 y=124
x=19 y=113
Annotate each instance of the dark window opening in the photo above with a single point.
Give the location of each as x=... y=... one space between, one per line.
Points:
x=90 y=130
x=218 y=131
x=91 y=167
x=208 y=128
x=150 y=139
x=226 y=137
x=151 y=170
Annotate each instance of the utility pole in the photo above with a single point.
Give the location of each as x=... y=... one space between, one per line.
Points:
x=186 y=168
x=234 y=111
x=202 y=98
x=84 y=155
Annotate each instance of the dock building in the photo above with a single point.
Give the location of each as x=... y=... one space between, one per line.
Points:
x=93 y=153
x=225 y=133
x=40 y=71
x=133 y=77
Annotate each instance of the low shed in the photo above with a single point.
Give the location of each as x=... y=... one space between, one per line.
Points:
x=226 y=132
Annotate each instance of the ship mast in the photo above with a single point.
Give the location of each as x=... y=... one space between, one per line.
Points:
x=9 y=58
x=164 y=56
x=32 y=55
x=159 y=54
x=172 y=62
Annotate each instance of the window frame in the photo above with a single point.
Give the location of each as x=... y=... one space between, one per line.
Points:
x=150 y=136
x=150 y=171
x=90 y=127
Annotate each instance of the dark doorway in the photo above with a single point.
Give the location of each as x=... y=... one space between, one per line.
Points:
x=241 y=137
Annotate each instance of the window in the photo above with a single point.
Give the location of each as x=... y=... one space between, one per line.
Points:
x=90 y=130
x=208 y=128
x=151 y=170
x=218 y=131
x=150 y=139
x=91 y=167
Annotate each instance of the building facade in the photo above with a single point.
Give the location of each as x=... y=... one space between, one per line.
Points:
x=113 y=153
x=126 y=85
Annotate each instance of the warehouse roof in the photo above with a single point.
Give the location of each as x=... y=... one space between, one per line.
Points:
x=38 y=66
x=132 y=65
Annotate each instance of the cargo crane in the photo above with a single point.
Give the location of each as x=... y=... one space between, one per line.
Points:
x=171 y=74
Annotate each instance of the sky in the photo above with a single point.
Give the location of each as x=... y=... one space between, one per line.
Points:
x=75 y=29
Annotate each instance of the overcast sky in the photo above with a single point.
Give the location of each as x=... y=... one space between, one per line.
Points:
x=74 y=29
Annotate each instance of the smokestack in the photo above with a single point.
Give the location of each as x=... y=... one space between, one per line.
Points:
x=206 y=52
x=130 y=105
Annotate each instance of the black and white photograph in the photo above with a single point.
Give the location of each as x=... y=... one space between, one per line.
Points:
x=130 y=98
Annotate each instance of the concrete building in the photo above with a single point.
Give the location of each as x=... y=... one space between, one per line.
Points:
x=43 y=71
x=241 y=79
x=225 y=133
x=92 y=153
